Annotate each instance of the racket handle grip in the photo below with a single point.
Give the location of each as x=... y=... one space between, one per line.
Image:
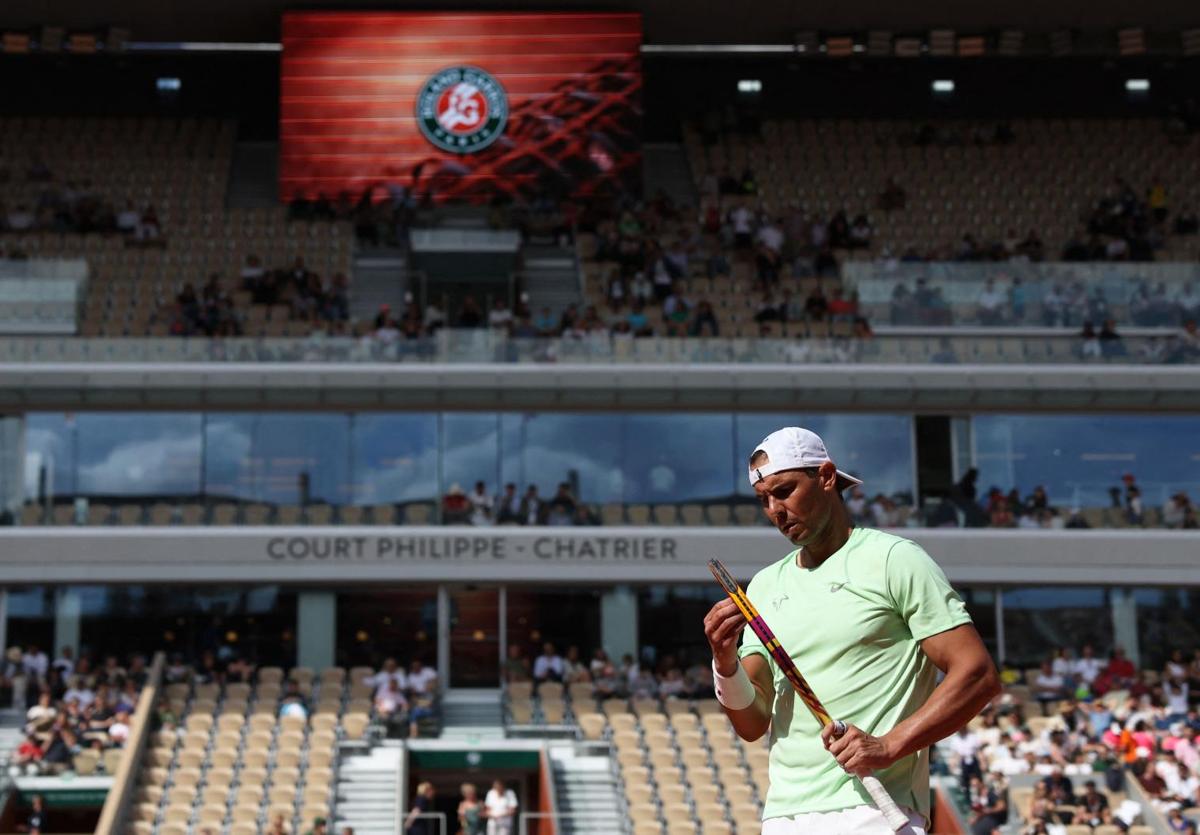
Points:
x=896 y=819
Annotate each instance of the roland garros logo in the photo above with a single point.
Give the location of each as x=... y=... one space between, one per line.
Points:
x=462 y=109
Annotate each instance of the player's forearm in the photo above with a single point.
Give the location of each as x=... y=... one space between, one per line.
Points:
x=955 y=702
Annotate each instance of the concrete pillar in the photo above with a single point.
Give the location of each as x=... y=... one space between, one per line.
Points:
x=316 y=629
x=68 y=617
x=619 y=622
x=1124 y=618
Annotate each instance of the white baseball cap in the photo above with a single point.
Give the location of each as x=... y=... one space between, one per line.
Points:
x=793 y=448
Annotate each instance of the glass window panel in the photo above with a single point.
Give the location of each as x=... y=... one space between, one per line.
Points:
x=135 y=454
x=253 y=622
x=671 y=622
x=1167 y=619
x=395 y=623
x=470 y=446
x=1037 y=620
x=50 y=444
x=547 y=449
x=30 y=611
x=394 y=458
x=263 y=457
x=564 y=618
x=1079 y=457
x=678 y=458
x=876 y=448
x=981 y=605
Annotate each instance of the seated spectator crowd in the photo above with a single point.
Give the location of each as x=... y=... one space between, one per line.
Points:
x=665 y=679
x=80 y=710
x=998 y=509
x=1079 y=724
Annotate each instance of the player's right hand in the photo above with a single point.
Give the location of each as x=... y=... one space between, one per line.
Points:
x=723 y=626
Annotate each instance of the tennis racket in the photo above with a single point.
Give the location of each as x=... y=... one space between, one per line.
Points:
x=883 y=801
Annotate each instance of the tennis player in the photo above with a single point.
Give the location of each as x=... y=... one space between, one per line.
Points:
x=869 y=619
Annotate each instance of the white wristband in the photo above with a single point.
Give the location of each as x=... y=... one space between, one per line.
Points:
x=735 y=692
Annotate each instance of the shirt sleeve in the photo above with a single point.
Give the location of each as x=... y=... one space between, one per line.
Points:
x=921 y=593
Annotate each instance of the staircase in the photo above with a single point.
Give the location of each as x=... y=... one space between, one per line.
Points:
x=472 y=715
x=12 y=723
x=380 y=277
x=253 y=176
x=551 y=278
x=368 y=789
x=665 y=168
x=586 y=792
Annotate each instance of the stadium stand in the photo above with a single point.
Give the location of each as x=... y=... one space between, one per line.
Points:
x=244 y=756
x=145 y=207
x=927 y=186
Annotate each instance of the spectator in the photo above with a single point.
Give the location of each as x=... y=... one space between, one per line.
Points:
x=481 y=506
x=390 y=703
x=573 y=667
x=41 y=716
x=516 y=665
x=27 y=757
x=501 y=805
x=1049 y=686
x=500 y=317
x=531 y=506
x=1087 y=667
x=456 y=507
x=893 y=196
x=1110 y=341
x=966 y=745
x=992 y=303
x=1175 y=511
x=816 y=306
x=420 y=820
x=388 y=675
x=989 y=805
x=471 y=812
x=35 y=821
x=470 y=315
x=508 y=506
x=549 y=665
x=560 y=510
x=423 y=693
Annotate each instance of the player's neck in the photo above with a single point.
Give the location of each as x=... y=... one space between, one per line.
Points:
x=829 y=541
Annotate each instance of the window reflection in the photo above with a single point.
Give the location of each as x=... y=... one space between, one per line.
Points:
x=678 y=458
x=278 y=458
x=49 y=454
x=394 y=458
x=470 y=450
x=1078 y=458
x=547 y=449
x=294 y=458
x=876 y=448
x=138 y=454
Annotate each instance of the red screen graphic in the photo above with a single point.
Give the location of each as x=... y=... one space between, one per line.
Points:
x=459 y=106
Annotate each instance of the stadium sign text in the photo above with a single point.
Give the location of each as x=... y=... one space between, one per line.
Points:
x=472 y=547
x=462 y=109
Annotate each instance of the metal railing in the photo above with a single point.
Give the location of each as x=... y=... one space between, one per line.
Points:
x=440 y=817
x=484 y=346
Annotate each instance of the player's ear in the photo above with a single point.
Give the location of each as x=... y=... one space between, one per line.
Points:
x=827 y=473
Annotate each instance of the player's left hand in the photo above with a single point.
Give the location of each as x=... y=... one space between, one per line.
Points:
x=856 y=751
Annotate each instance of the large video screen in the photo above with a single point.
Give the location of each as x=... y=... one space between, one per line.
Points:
x=459 y=106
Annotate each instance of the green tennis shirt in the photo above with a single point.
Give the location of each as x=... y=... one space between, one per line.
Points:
x=853 y=626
